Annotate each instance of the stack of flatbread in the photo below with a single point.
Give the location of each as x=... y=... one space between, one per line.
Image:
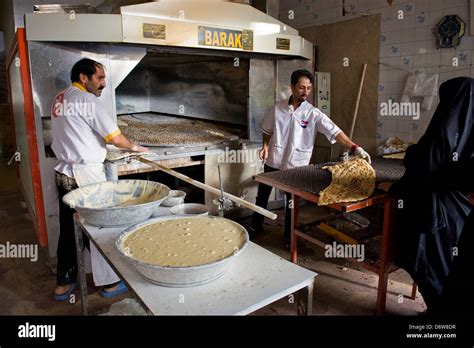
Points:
x=352 y=181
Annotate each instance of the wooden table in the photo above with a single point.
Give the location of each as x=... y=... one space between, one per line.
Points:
x=255 y=279
x=385 y=266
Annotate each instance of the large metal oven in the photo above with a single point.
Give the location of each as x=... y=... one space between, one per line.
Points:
x=181 y=66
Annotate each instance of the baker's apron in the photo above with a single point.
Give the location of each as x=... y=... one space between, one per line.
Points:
x=87 y=174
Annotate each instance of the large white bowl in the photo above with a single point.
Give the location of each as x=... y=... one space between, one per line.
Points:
x=179 y=276
x=117 y=203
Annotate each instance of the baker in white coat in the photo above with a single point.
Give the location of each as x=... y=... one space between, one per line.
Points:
x=81 y=128
x=289 y=132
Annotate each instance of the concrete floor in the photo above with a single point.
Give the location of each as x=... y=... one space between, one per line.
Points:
x=26 y=288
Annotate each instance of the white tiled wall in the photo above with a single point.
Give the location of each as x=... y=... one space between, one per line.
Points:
x=407 y=45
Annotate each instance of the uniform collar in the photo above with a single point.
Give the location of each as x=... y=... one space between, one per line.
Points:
x=78 y=85
x=291 y=107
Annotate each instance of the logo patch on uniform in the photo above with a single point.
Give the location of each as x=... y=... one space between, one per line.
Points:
x=304 y=124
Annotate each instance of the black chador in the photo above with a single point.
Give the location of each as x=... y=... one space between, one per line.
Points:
x=433 y=195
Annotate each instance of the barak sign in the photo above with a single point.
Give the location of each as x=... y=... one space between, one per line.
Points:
x=226 y=38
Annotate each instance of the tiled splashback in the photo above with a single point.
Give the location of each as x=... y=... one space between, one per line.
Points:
x=407 y=45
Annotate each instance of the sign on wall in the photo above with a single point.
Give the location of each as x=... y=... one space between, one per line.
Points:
x=217 y=37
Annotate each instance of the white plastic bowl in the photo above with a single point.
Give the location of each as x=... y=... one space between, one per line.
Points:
x=190 y=209
x=175 y=197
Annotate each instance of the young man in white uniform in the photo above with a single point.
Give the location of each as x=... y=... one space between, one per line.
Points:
x=289 y=132
x=81 y=128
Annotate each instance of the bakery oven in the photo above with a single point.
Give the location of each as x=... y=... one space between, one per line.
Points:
x=187 y=78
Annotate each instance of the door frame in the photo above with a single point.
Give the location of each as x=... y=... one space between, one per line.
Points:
x=20 y=46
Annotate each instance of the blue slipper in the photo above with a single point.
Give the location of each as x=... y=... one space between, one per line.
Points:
x=121 y=289
x=65 y=296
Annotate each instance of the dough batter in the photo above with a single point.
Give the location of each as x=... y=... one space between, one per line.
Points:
x=184 y=242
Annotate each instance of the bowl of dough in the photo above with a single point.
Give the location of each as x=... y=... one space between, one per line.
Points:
x=117 y=203
x=182 y=251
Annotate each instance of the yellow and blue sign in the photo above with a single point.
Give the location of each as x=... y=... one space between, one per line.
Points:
x=216 y=37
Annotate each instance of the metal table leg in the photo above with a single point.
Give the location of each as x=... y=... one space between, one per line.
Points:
x=294 y=225
x=80 y=263
x=305 y=300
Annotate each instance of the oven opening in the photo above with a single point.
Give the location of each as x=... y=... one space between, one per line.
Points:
x=193 y=195
x=185 y=101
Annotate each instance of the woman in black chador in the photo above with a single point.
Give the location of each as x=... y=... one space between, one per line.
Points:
x=433 y=202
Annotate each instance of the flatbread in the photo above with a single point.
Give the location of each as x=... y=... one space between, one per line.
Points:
x=399 y=156
x=352 y=181
x=175 y=132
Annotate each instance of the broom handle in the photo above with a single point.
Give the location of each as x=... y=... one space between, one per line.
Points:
x=358 y=102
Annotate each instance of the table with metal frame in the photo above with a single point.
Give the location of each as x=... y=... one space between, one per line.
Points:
x=254 y=280
x=290 y=183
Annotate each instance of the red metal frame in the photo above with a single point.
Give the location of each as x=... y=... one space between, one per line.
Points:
x=8 y=62
x=21 y=46
x=386 y=265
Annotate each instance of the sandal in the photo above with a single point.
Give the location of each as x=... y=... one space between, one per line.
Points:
x=121 y=289
x=65 y=296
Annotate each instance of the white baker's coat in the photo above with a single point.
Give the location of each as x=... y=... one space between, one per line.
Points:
x=293 y=133
x=81 y=128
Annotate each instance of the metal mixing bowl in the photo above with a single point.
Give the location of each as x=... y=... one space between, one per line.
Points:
x=190 y=209
x=117 y=203
x=179 y=276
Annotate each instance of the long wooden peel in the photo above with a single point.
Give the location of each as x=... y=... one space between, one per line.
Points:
x=356 y=111
x=210 y=189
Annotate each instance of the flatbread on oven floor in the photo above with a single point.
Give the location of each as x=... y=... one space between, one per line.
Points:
x=352 y=181
x=175 y=132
